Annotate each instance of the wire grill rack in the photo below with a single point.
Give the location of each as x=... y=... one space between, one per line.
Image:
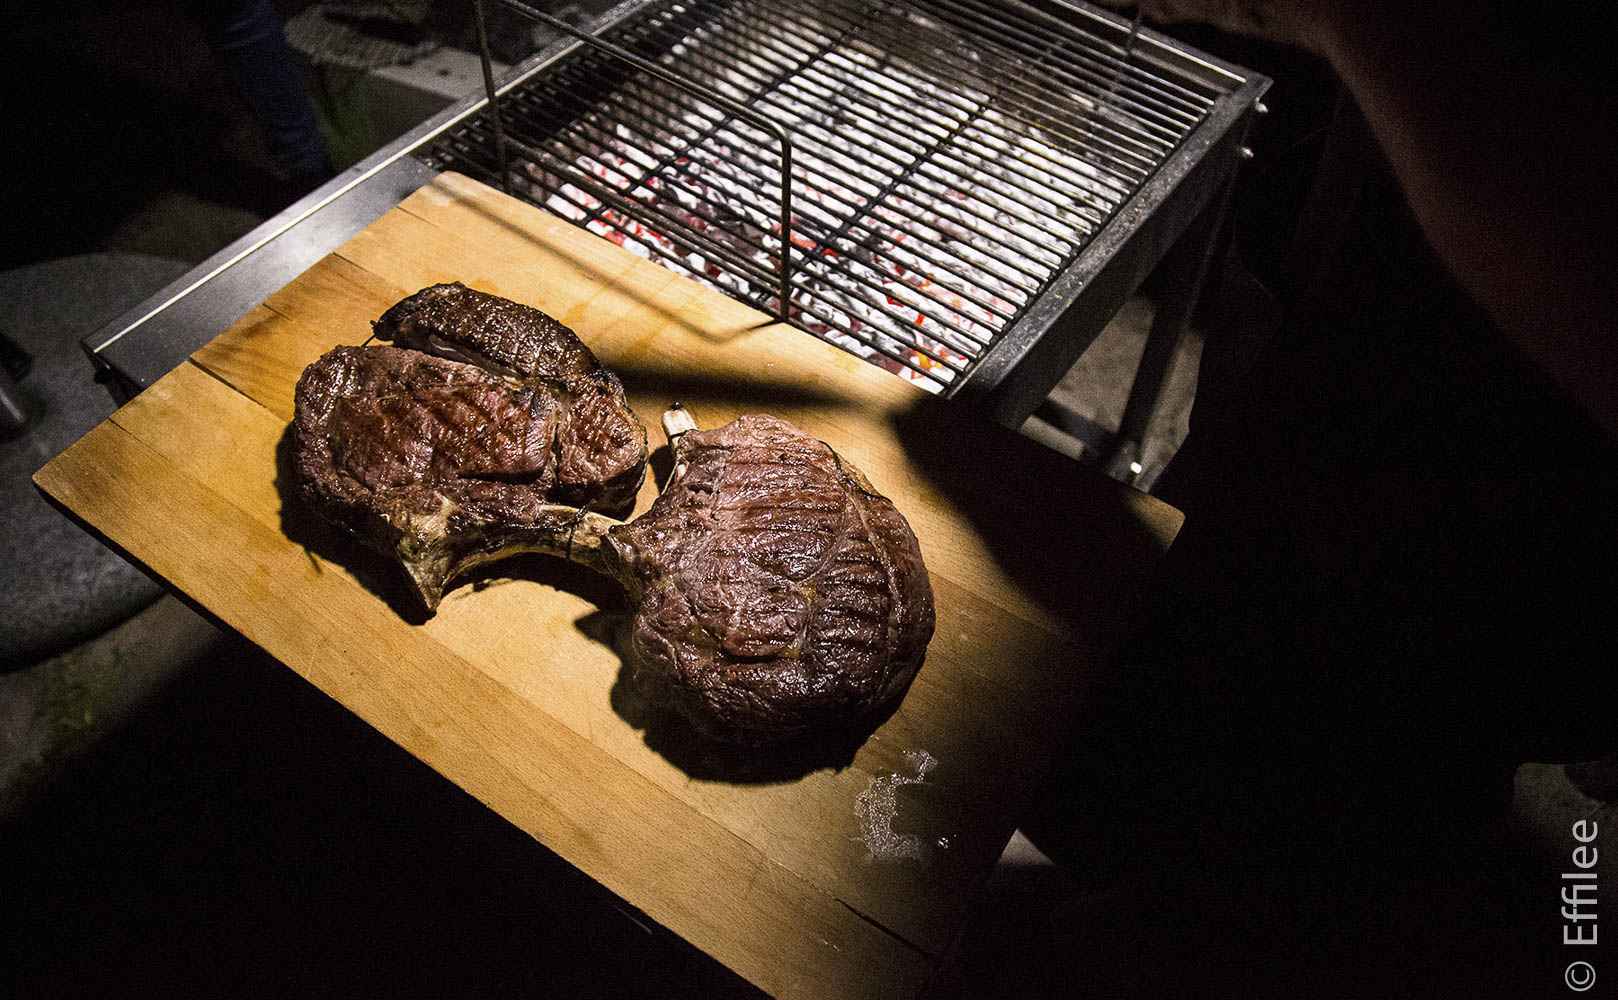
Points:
x=947 y=160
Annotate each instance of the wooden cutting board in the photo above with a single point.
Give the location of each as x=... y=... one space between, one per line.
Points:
x=513 y=690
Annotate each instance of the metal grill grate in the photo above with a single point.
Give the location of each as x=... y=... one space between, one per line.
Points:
x=949 y=159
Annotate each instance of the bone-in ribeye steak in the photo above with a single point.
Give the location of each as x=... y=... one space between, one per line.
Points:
x=778 y=593
x=443 y=451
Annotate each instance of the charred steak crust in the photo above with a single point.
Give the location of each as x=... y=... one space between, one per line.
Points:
x=601 y=448
x=487 y=330
x=443 y=463
x=780 y=593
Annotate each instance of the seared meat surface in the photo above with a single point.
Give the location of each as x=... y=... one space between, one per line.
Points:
x=600 y=444
x=495 y=333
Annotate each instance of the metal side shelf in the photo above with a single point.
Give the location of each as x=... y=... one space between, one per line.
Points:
x=140 y=346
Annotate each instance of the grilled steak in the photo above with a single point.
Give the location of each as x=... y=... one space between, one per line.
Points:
x=445 y=460
x=778 y=593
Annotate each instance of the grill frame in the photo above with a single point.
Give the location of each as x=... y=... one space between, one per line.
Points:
x=1015 y=371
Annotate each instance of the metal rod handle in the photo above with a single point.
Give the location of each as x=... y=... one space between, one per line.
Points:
x=736 y=108
x=494 y=101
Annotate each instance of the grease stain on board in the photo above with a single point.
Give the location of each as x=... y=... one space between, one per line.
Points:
x=878 y=805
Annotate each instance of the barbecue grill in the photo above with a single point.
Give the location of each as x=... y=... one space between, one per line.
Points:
x=960 y=191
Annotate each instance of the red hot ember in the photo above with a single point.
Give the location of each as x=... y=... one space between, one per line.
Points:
x=927 y=211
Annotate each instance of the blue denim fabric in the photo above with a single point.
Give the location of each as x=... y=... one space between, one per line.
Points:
x=250 y=41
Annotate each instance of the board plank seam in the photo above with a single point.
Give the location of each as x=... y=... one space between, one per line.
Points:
x=224 y=381
x=885 y=929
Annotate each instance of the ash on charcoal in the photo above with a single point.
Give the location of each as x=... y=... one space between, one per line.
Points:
x=927 y=212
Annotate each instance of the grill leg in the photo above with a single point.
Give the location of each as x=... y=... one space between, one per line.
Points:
x=1183 y=270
